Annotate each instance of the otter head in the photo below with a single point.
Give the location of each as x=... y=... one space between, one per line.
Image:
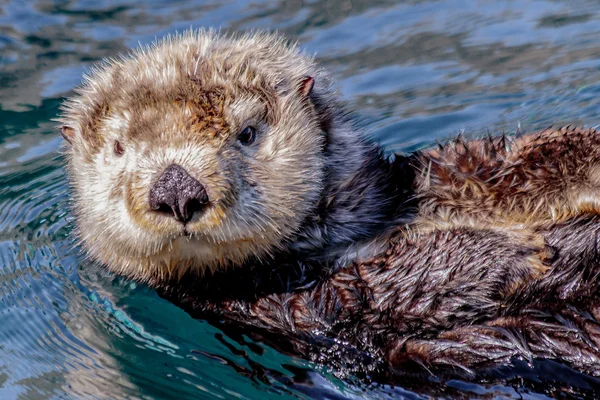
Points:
x=197 y=153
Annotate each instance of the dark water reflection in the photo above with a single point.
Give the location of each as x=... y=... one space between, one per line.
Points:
x=416 y=71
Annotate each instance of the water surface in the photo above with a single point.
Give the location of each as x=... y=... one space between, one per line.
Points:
x=415 y=71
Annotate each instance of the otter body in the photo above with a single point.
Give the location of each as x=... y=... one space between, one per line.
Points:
x=446 y=302
x=225 y=173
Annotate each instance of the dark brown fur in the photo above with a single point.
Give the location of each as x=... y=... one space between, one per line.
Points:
x=458 y=298
x=470 y=303
x=532 y=180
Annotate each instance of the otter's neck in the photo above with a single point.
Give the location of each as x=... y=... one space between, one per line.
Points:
x=365 y=195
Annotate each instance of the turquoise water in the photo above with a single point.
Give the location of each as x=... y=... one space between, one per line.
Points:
x=415 y=71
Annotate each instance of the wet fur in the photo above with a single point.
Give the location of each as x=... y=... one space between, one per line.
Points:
x=446 y=302
x=527 y=181
x=452 y=259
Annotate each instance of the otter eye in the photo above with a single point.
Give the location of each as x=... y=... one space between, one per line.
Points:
x=247 y=135
x=119 y=150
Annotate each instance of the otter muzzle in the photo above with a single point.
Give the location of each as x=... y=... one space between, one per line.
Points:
x=177 y=194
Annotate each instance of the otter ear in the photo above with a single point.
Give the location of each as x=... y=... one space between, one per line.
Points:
x=68 y=133
x=306 y=86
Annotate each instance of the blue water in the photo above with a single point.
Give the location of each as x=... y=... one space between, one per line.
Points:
x=415 y=71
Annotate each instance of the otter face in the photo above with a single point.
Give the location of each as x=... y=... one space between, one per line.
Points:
x=196 y=153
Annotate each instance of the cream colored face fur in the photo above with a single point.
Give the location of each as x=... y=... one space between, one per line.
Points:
x=184 y=101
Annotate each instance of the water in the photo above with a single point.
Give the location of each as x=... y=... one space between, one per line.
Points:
x=416 y=71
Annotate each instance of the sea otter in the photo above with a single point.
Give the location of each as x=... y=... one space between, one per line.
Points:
x=225 y=172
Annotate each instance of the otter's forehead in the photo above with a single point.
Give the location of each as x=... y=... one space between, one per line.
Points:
x=190 y=110
x=199 y=81
x=185 y=105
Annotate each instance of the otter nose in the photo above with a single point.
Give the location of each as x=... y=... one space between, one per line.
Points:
x=178 y=194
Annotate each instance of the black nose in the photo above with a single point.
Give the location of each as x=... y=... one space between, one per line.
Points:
x=178 y=194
